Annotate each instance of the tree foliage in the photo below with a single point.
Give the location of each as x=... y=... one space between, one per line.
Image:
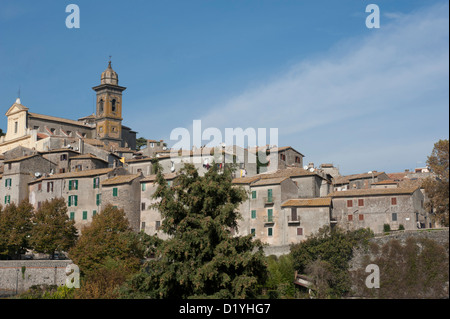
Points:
x=437 y=189
x=201 y=258
x=52 y=229
x=325 y=258
x=15 y=229
x=108 y=237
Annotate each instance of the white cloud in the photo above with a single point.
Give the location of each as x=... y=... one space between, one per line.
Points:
x=389 y=69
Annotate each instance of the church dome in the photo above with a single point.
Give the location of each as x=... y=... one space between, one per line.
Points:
x=109 y=76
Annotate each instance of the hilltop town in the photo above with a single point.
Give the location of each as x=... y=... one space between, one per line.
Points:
x=94 y=161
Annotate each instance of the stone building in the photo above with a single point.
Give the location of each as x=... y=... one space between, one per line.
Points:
x=18 y=172
x=150 y=217
x=373 y=208
x=81 y=190
x=124 y=192
x=305 y=216
x=44 y=132
x=358 y=181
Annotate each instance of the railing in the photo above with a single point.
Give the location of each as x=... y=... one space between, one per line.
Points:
x=269 y=200
x=269 y=219
x=293 y=219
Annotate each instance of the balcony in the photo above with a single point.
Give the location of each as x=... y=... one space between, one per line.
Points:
x=269 y=220
x=269 y=200
x=293 y=219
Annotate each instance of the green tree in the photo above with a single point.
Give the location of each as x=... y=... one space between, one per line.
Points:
x=437 y=189
x=15 y=229
x=141 y=141
x=280 y=276
x=325 y=258
x=201 y=258
x=109 y=238
x=52 y=229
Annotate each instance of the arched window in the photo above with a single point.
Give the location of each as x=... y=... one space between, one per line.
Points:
x=100 y=107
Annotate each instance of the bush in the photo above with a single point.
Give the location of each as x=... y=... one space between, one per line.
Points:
x=386 y=228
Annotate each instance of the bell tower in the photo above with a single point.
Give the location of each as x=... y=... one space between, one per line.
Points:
x=109 y=108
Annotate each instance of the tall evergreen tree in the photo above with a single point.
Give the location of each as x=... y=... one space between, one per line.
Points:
x=201 y=258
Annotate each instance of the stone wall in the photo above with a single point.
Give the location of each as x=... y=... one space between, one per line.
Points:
x=17 y=276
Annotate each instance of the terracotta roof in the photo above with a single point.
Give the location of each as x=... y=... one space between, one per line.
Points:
x=309 y=202
x=18 y=159
x=374 y=192
x=346 y=179
x=56 y=119
x=59 y=150
x=269 y=181
x=93 y=141
x=121 y=179
x=289 y=172
x=385 y=182
x=88 y=173
x=88 y=156
x=246 y=180
x=152 y=178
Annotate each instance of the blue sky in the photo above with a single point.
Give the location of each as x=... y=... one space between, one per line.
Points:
x=338 y=92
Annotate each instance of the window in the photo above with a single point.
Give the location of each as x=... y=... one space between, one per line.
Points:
x=142 y=206
x=96 y=182
x=7 y=199
x=297 y=159
x=294 y=214
x=73 y=184
x=350 y=218
x=72 y=215
x=270 y=215
x=73 y=200
x=94 y=212
x=39 y=186
x=100 y=106
x=299 y=231
x=8 y=182
x=349 y=203
x=361 y=216
x=253 y=194
x=49 y=187
x=269 y=196
x=253 y=232
x=16 y=127
x=99 y=199
x=360 y=202
x=143 y=187
x=157 y=225
x=394 y=217
x=253 y=214
x=84 y=215
x=63 y=157
x=115 y=191
x=394 y=201
x=143 y=226
x=270 y=231
x=113 y=105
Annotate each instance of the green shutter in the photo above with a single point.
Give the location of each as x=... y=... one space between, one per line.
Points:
x=143 y=186
x=115 y=191
x=270 y=215
x=253 y=214
x=72 y=215
x=253 y=231
x=95 y=182
x=99 y=199
x=70 y=200
x=253 y=194
x=269 y=195
x=269 y=231
x=84 y=215
x=94 y=212
x=76 y=200
x=70 y=186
